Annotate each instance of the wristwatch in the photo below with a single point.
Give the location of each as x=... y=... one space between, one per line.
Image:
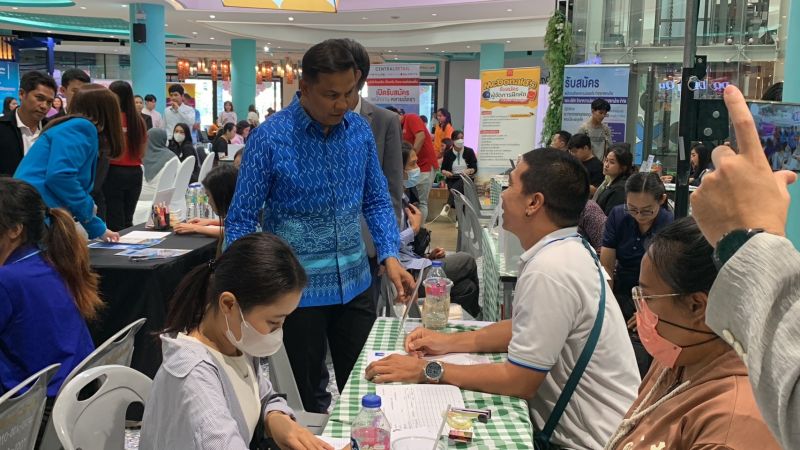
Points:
x=730 y=243
x=433 y=372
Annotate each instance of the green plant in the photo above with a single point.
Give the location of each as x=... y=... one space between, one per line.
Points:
x=558 y=53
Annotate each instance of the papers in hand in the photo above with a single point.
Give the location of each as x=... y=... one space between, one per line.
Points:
x=142 y=237
x=417 y=409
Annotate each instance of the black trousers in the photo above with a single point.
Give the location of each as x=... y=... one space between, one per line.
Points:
x=346 y=328
x=121 y=191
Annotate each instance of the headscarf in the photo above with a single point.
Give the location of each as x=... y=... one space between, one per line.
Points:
x=157 y=155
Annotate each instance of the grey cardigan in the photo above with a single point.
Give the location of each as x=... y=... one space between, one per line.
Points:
x=755 y=306
x=192 y=404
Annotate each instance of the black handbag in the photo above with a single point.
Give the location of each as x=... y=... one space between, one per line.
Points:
x=421 y=242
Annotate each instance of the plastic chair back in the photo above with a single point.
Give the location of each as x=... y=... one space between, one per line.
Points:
x=469 y=226
x=21 y=415
x=99 y=420
x=471 y=192
x=166 y=179
x=282 y=378
x=208 y=164
x=116 y=350
x=178 y=202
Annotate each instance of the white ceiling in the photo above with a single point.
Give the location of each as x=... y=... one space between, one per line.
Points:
x=418 y=31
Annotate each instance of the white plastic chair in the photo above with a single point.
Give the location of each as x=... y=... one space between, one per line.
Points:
x=178 y=202
x=166 y=179
x=208 y=164
x=469 y=226
x=116 y=350
x=99 y=420
x=282 y=378
x=21 y=416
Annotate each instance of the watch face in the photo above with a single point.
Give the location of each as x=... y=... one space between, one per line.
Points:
x=433 y=370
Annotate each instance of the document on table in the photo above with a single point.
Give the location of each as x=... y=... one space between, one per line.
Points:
x=464 y=359
x=141 y=237
x=418 y=409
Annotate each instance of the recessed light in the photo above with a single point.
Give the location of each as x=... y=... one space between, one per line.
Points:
x=427 y=48
x=212 y=16
x=166 y=24
x=291 y=19
x=508 y=42
x=279 y=47
x=469 y=46
x=269 y=43
x=212 y=38
x=14 y=8
x=124 y=6
x=49 y=32
x=509 y=10
x=441 y=51
x=83 y=7
x=363 y=18
x=194 y=33
x=434 y=14
x=389 y=51
x=266 y=49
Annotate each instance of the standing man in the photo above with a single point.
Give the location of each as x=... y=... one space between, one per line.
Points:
x=415 y=132
x=313 y=169
x=71 y=81
x=597 y=131
x=580 y=146
x=139 y=101
x=178 y=112
x=20 y=129
x=150 y=110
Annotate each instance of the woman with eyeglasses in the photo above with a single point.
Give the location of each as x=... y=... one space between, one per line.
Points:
x=629 y=228
x=697 y=394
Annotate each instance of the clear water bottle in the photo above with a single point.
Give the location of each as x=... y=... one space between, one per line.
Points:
x=437 y=270
x=436 y=307
x=371 y=429
x=188 y=197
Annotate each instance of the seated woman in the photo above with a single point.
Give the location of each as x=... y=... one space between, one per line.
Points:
x=460 y=267
x=182 y=145
x=242 y=132
x=457 y=159
x=155 y=158
x=220 y=147
x=220 y=183
x=700 y=160
x=697 y=393
x=629 y=229
x=210 y=391
x=63 y=163
x=47 y=290
x=617 y=167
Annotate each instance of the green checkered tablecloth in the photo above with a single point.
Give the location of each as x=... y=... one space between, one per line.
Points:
x=509 y=428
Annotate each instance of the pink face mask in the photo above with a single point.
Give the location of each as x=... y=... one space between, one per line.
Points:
x=660 y=348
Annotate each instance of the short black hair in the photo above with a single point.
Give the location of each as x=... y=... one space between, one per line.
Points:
x=71 y=75
x=647 y=183
x=149 y=98
x=175 y=88
x=774 y=93
x=600 y=104
x=330 y=56
x=561 y=179
x=361 y=58
x=565 y=135
x=579 y=140
x=139 y=97
x=393 y=109
x=424 y=118
x=241 y=126
x=228 y=127
x=33 y=79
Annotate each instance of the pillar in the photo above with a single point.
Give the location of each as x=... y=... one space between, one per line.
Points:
x=493 y=56
x=243 y=75
x=791 y=93
x=148 y=59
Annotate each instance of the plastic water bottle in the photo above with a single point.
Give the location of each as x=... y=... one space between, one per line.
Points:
x=188 y=197
x=436 y=307
x=371 y=429
x=437 y=270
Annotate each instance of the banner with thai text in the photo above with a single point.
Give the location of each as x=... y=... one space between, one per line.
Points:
x=395 y=85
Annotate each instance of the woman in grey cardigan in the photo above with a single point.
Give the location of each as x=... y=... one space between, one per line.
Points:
x=210 y=392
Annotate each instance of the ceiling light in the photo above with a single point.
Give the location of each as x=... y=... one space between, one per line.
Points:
x=166 y=24
x=124 y=6
x=389 y=51
x=508 y=42
x=279 y=47
x=469 y=46
x=83 y=7
x=434 y=14
x=291 y=19
x=14 y=8
x=49 y=32
x=427 y=48
x=363 y=18
x=212 y=38
x=194 y=33
x=266 y=49
x=509 y=10
x=212 y=16
x=442 y=51
x=269 y=43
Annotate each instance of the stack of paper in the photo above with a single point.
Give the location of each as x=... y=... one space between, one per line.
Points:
x=142 y=237
x=418 y=409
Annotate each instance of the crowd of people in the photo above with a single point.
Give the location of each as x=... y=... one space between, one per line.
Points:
x=680 y=333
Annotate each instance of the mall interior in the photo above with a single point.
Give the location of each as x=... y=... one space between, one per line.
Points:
x=344 y=224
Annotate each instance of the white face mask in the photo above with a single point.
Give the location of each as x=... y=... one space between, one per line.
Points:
x=179 y=137
x=459 y=143
x=254 y=343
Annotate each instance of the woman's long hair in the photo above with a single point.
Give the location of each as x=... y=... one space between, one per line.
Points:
x=448 y=118
x=61 y=244
x=136 y=135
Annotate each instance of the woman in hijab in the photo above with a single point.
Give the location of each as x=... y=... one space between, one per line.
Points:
x=155 y=158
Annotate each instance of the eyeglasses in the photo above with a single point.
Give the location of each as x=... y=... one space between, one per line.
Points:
x=639 y=212
x=639 y=297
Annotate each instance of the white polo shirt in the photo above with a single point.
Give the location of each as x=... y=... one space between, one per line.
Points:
x=184 y=114
x=555 y=304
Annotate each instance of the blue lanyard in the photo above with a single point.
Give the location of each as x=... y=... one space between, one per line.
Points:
x=26 y=256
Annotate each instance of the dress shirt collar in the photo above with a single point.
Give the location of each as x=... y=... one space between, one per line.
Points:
x=307 y=121
x=20 y=124
x=545 y=241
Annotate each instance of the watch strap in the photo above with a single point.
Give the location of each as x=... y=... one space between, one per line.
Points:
x=730 y=243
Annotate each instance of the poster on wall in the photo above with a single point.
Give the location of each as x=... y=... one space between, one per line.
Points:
x=585 y=84
x=509 y=100
x=395 y=85
x=9 y=79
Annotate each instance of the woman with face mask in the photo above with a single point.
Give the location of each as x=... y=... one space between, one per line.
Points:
x=697 y=394
x=210 y=391
x=182 y=145
x=457 y=160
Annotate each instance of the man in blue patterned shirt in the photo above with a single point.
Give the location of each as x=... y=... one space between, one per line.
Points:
x=313 y=169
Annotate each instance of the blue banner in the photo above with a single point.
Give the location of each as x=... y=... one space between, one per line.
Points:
x=584 y=84
x=9 y=79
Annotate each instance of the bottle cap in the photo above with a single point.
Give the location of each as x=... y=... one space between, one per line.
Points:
x=437 y=263
x=371 y=401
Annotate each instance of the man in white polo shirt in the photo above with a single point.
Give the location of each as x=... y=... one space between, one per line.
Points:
x=556 y=303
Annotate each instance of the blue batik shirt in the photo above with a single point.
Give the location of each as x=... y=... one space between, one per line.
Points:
x=313 y=189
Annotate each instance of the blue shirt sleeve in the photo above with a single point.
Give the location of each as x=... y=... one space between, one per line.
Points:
x=74 y=145
x=251 y=187
x=6 y=310
x=610 y=236
x=377 y=206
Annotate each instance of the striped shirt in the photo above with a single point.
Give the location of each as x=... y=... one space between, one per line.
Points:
x=313 y=188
